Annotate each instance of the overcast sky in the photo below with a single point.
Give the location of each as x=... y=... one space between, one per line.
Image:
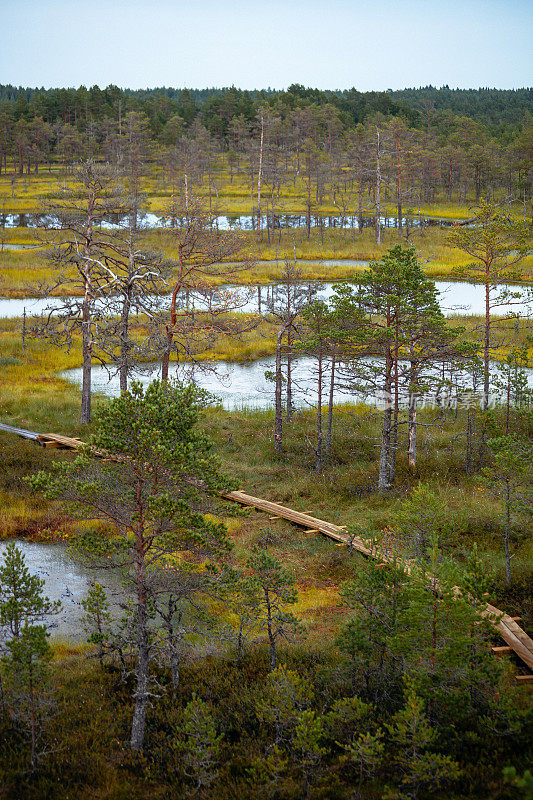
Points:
x=333 y=44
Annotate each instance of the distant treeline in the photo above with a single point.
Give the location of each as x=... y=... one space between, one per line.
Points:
x=215 y=107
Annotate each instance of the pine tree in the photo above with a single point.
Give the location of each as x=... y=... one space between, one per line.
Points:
x=497 y=244
x=276 y=591
x=158 y=478
x=414 y=737
x=202 y=744
x=422 y=518
x=27 y=685
x=306 y=745
x=509 y=478
x=366 y=751
x=284 y=695
x=22 y=602
x=442 y=645
x=97 y=619
x=398 y=333
x=377 y=597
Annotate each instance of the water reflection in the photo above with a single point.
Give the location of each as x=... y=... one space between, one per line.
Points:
x=13 y=219
x=247 y=385
x=456 y=297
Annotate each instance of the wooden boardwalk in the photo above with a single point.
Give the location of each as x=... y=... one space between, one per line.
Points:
x=515 y=638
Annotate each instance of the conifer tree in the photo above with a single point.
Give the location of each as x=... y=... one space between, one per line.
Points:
x=398 y=334
x=156 y=480
x=377 y=597
x=26 y=693
x=420 y=765
x=510 y=479
x=202 y=744
x=276 y=591
x=498 y=244
x=26 y=667
x=306 y=744
x=97 y=619
x=22 y=602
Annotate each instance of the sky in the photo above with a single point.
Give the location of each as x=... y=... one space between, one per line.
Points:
x=333 y=44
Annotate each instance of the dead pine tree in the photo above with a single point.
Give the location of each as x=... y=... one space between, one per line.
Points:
x=498 y=244
x=317 y=341
x=140 y=279
x=77 y=258
x=204 y=260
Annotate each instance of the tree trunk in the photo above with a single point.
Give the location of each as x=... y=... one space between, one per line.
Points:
x=393 y=446
x=143 y=646
x=394 y=437
x=124 y=343
x=289 y=377
x=86 y=356
x=170 y=328
x=278 y=421
x=411 y=453
x=330 y=406
x=143 y=665
x=398 y=185
x=33 y=727
x=486 y=344
x=318 y=466
x=507 y=532
x=377 y=221
x=360 y=205
x=259 y=177
x=468 y=454
x=271 y=637
x=142 y=673
x=384 y=457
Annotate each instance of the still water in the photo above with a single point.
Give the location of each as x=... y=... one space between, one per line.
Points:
x=247 y=384
x=14 y=219
x=68 y=581
x=455 y=297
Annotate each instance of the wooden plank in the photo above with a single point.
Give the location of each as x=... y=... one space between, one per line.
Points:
x=335 y=532
x=60 y=441
x=511 y=633
x=504 y=649
x=524 y=678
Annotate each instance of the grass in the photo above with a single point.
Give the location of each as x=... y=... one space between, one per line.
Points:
x=343 y=494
